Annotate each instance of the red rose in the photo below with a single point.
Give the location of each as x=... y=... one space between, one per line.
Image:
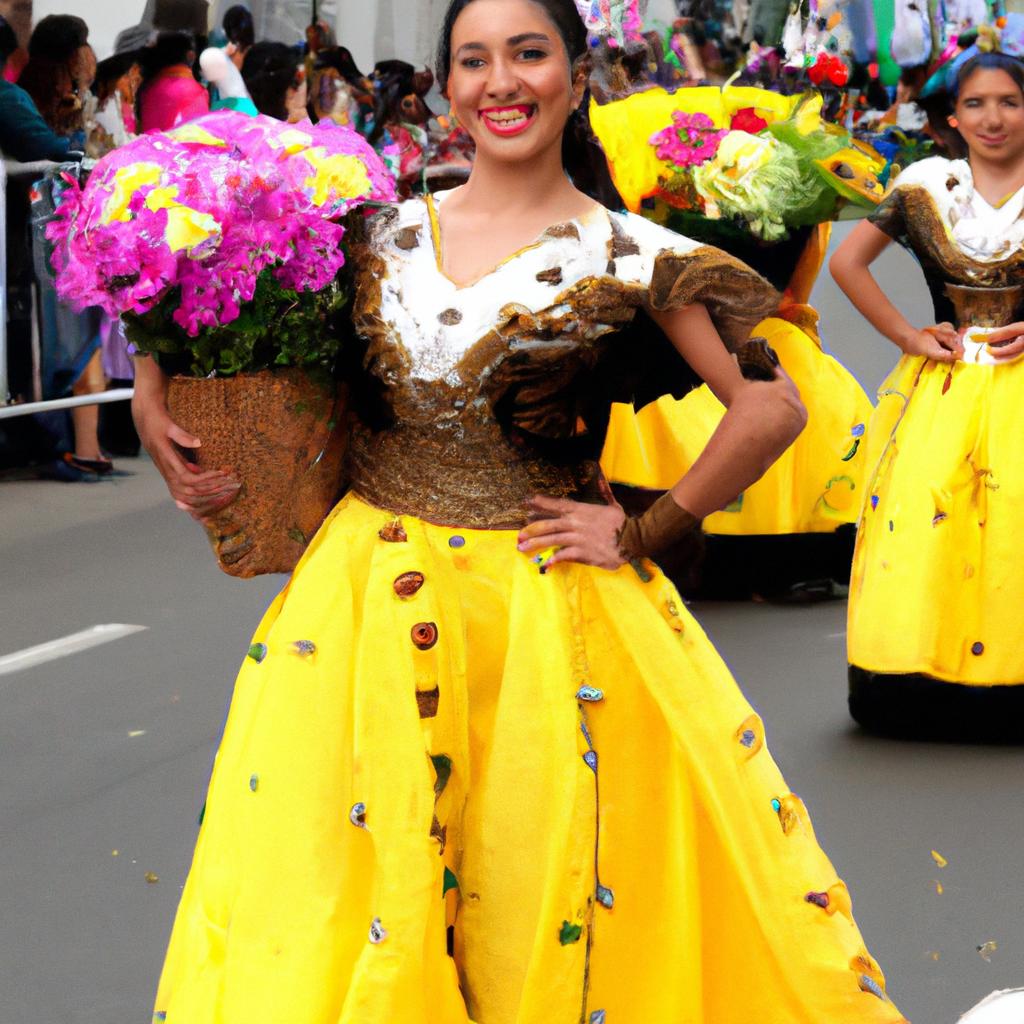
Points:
x=746 y=120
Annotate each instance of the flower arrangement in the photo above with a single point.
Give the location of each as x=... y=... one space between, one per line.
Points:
x=762 y=160
x=220 y=240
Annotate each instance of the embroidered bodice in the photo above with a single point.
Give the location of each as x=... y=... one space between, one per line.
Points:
x=958 y=237
x=499 y=389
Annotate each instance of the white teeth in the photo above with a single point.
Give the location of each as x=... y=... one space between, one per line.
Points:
x=507 y=117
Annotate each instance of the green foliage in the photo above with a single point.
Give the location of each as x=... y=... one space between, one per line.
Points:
x=278 y=328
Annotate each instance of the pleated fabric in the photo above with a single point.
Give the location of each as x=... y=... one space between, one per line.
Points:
x=936 y=585
x=455 y=790
x=817 y=483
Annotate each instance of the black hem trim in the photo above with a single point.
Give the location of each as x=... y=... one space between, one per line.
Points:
x=917 y=706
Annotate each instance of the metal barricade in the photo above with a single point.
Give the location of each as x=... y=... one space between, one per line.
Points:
x=7 y=408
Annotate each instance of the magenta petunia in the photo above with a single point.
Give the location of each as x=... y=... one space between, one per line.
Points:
x=691 y=140
x=206 y=208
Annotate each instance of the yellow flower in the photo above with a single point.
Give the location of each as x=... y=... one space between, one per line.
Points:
x=769 y=106
x=127 y=181
x=624 y=128
x=193 y=133
x=738 y=154
x=292 y=141
x=336 y=177
x=186 y=228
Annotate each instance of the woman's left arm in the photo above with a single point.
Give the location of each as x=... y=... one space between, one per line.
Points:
x=762 y=419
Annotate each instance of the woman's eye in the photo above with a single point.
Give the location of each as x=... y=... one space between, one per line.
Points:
x=473 y=62
x=533 y=54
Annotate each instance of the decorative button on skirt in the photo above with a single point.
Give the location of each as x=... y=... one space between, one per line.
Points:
x=491 y=795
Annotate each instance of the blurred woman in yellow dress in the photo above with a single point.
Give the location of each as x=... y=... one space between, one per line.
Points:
x=790 y=535
x=754 y=186
x=481 y=763
x=934 y=627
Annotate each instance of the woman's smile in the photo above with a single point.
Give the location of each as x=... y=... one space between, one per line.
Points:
x=509 y=120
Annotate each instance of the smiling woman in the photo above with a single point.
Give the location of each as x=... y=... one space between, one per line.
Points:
x=482 y=765
x=935 y=592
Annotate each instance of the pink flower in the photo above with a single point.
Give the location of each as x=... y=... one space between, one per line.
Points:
x=234 y=192
x=689 y=141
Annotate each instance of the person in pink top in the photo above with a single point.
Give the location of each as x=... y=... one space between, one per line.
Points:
x=170 y=95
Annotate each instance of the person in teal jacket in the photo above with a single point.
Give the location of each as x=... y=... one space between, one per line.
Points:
x=24 y=135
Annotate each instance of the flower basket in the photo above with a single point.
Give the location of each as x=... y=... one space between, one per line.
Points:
x=220 y=244
x=282 y=433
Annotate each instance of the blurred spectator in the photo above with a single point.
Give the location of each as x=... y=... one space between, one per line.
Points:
x=117 y=83
x=17 y=14
x=60 y=71
x=339 y=91
x=170 y=94
x=276 y=79
x=228 y=90
x=241 y=33
x=24 y=135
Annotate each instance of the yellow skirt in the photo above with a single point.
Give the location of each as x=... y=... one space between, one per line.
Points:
x=452 y=789
x=816 y=485
x=937 y=586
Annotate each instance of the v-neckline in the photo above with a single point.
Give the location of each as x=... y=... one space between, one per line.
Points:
x=435 y=240
x=995 y=208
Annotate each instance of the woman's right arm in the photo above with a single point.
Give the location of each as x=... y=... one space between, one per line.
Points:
x=198 y=492
x=850 y=267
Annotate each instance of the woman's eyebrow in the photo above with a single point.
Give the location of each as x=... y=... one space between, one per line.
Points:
x=523 y=37
x=527 y=37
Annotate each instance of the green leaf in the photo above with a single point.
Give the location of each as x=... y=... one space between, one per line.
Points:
x=450 y=882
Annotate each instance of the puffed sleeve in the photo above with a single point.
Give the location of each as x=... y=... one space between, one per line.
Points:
x=674 y=271
x=891 y=215
x=662 y=271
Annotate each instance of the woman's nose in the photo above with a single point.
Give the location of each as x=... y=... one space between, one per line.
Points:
x=502 y=82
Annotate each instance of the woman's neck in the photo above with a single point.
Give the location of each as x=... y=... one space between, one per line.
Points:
x=996 y=179
x=512 y=189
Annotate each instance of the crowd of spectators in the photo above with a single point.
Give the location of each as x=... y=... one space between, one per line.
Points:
x=58 y=104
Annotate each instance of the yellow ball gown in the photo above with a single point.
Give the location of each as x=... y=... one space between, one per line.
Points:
x=933 y=638
x=454 y=788
x=796 y=523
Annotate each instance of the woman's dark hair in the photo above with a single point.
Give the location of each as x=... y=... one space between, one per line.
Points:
x=168 y=50
x=58 y=37
x=49 y=76
x=110 y=71
x=989 y=62
x=269 y=71
x=582 y=157
x=239 y=27
x=393 y=80
x=8 y=41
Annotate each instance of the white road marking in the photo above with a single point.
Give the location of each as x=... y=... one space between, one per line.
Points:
x=61 y=648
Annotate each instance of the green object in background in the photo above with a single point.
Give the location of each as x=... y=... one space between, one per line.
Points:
x=885 y=22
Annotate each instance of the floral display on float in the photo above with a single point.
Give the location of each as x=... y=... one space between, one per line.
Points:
x=222 y=238
x=742 y=153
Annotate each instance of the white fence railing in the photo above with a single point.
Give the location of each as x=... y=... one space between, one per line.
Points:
x=7 y=408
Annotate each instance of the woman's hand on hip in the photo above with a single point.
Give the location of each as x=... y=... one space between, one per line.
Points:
x=940 y=343
x=580 y=532
x=1006 y=343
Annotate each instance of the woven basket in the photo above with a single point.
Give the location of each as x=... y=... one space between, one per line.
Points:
x=281 y=434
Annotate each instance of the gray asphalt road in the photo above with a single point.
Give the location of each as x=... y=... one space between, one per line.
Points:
x=104 y=755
